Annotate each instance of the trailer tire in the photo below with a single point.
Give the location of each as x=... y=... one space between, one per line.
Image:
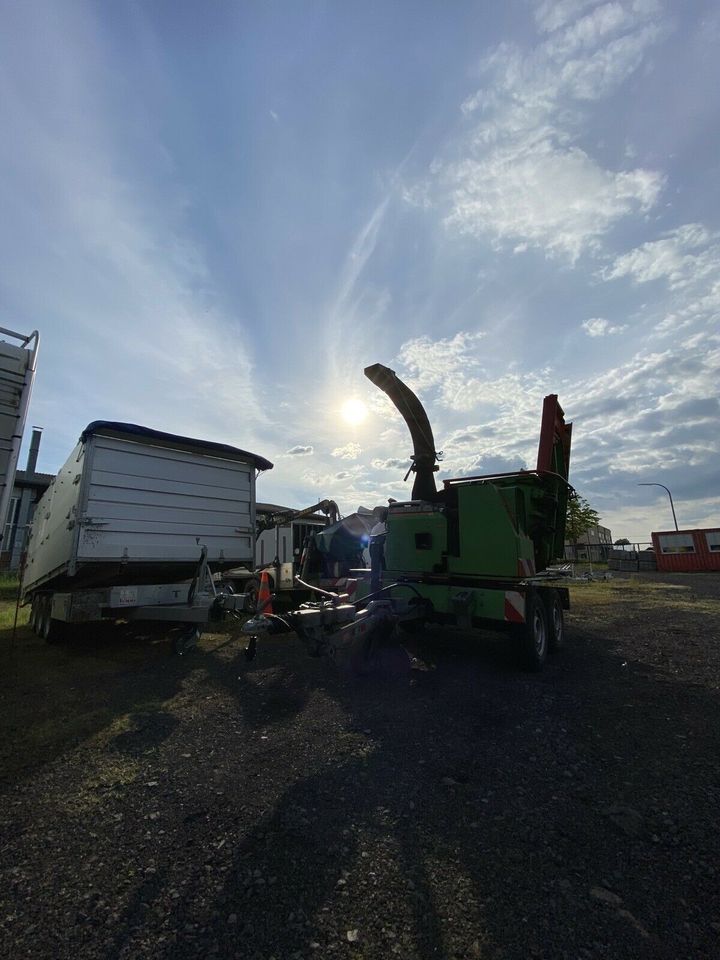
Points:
x=186 y=640
x=52 y=631
x=251 y=588
x=35 y=615
x=556 y=621
x=534 y=633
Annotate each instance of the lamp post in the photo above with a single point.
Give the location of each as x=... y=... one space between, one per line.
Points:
x=672 y=505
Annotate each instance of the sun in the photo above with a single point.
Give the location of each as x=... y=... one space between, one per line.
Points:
x=354 y=411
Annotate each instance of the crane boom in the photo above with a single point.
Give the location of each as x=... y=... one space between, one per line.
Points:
x=281 y=517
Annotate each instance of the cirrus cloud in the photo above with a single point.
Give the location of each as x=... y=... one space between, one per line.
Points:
x=600 y=327
x=519 y=176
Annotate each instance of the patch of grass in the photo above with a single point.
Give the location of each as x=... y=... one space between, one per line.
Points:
x=9 y=585
x=32 y=739
x=640 y=595
x=110 y=777
x=55 y=697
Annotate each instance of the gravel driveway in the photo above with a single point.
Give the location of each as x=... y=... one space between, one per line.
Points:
x=206 y=807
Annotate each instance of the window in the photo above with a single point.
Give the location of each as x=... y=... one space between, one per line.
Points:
x=713 y=540
x=12 y=516
x=676 y=543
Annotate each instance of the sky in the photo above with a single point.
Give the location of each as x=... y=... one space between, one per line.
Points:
x=217 y=214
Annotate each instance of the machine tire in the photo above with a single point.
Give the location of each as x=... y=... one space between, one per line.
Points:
x=556 y=621
x=534 y=633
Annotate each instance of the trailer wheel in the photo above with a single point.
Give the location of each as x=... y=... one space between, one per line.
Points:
x=556 y=621
x=186 y=639
x=251 y=589
x=534 y=633
x=35 y=615
x=52 y=631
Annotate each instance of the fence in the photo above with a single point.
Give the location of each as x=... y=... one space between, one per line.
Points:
x=636 y=558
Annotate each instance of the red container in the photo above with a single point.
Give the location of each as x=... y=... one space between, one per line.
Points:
x=687 y=550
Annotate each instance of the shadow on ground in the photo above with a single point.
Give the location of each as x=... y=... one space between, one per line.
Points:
x=471 y=812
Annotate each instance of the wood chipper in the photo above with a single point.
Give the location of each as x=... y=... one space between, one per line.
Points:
x=473 y=554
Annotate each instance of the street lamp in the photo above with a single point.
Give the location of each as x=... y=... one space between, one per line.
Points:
x=672 y=505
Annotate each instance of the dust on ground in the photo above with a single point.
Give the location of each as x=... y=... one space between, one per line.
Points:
x=205 y=806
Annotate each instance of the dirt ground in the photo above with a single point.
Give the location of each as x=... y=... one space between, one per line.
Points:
x=203 y=806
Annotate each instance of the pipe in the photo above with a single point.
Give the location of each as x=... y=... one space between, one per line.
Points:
x=34 y=450
x=413 y=413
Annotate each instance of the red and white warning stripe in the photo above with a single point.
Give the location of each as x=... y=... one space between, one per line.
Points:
x=514 y=606
x=526 y=568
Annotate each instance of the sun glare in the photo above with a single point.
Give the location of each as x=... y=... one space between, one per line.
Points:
x=354 y=411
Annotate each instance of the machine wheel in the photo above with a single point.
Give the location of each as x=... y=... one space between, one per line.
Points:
x=556 y=621
x=534 y=633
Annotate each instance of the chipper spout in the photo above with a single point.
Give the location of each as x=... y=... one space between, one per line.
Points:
x=413 y=413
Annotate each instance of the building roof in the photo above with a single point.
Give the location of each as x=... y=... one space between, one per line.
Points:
x=25 y=479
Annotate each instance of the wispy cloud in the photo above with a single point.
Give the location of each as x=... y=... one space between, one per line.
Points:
x=521 y=177
x=447 y=364
x=391 y=464
x=299 y=451
x=112 y=256
x=686 y=261
x=351 y=451
x=688 y=255
x=600 y=327
x=343 y=331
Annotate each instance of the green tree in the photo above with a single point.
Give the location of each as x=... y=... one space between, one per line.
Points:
x=580 y=518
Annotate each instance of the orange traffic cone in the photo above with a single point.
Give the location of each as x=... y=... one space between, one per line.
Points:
x=264 y=599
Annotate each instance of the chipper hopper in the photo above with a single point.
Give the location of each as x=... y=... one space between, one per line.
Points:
x=473 y=553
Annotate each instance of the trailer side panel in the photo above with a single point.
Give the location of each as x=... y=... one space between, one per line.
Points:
x=128 y=510
x=154 y=503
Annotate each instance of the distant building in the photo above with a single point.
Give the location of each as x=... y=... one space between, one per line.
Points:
x=688 y=550
x=593 y=545
x=28 y=488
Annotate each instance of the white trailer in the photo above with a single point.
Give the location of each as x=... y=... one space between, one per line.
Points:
x=131 y=526
x=17 y=373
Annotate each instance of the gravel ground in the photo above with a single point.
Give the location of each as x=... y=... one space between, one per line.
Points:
x=202 y=806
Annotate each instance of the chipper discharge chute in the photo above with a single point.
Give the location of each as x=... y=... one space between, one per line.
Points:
x=472 y=554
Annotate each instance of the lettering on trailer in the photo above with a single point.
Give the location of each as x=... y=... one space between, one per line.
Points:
x=514 y=606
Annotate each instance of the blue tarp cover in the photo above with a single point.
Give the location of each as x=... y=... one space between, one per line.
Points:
x=135 y=430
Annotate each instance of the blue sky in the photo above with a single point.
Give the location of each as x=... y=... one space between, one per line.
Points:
x=217 y=214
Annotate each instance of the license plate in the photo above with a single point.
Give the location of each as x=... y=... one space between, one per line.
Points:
x=127 y=597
